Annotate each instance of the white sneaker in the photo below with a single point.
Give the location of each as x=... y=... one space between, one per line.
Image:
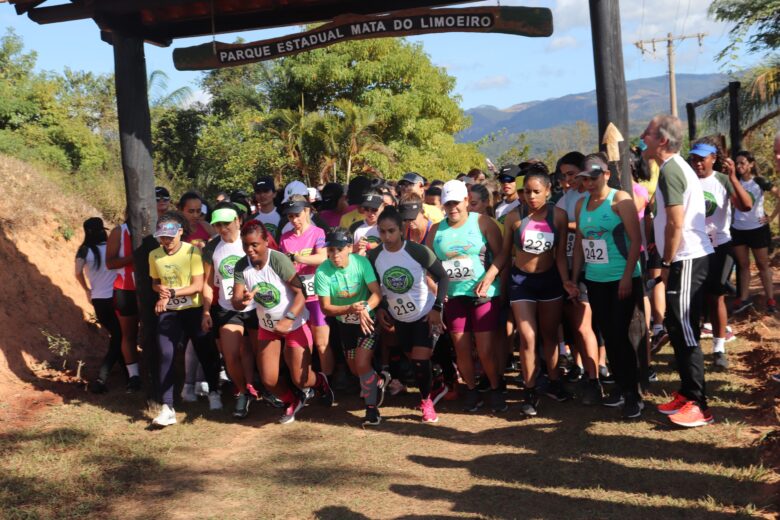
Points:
x=215 y=401
x=201 y=389
x=167 y=417
x=188 y=394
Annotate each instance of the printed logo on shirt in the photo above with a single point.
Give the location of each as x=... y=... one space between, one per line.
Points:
x=459 y=250
x=710 y=204
x=227 y=266
x=398 y=279
x=271 y=229
x=267 y=295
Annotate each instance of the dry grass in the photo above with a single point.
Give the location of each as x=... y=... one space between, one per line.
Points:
x=95 y=458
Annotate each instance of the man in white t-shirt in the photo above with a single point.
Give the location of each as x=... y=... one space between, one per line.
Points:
x=507 y=177
x=684 y=246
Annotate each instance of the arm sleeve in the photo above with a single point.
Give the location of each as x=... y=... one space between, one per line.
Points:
x=238 y=271
x=726 y=182
x=282 y=265
x=763 y=183
x=366 y=267
x=208 y=250
x=672 y=184
x=425 y=257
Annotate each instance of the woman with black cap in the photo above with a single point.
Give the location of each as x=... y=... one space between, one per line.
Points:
x=91 y=258
x=347 y=288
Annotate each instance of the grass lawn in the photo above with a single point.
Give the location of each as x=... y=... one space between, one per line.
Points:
x=95 y=458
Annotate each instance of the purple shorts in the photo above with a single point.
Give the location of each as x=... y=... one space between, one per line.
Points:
x=316 y=316
x=461 y=314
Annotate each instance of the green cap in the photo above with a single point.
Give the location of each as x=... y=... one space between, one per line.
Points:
x=224 y=215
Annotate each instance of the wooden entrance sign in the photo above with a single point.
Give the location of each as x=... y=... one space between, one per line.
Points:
x=522 y=21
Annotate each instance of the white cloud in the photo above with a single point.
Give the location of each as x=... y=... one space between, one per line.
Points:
x=491 y=82
x=197 y=96
x=562 y=42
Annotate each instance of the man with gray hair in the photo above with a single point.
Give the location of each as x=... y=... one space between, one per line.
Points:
x=684 y=247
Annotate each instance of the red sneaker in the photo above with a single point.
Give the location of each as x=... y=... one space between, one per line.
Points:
x=673 y=406
x=692 y=416
x=428 y=412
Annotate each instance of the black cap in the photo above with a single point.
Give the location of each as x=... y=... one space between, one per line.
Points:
x=292 y=206
x=409 y=210
x=338 y=238
x=94 y=224
x=508 y=173
x=265 y=183
x=357 y=189
x=372 y=201
x=412 y=178
x=331 y=191
x=161 y=192
x=593 y=167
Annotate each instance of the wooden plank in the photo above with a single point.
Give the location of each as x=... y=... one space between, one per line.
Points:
x=712 y=97
x=690 y=109
x=60 y=13
x=135 y=139
x=735 y=133
x=524 y=21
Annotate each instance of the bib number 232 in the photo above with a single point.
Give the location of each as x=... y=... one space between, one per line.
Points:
x=460 y=269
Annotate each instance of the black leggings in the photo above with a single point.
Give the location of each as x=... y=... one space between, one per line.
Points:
x=106 y=316
x=615 y=318
x=173 y=328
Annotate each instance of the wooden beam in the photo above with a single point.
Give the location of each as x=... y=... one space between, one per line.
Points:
x=735 y=133
x=763 y=120
x=23 y=7
x=712 y=97
x=690 y=109
x=60 y=13
x=135 y=139
x=610 y=80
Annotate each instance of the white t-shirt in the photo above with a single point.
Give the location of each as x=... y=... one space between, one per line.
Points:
x=271 y=221
x=402 y=277
x=371 y=233
x=223 y=257
x=568 y=203
x=717 y=206
x=746 y=220
x=274 y=297
x=101 y=279
x=504 y=208
x=679 y=185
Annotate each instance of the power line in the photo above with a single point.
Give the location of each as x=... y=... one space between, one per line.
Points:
x=669 y=40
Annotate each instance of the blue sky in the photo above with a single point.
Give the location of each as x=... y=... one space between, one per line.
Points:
x=492 y=69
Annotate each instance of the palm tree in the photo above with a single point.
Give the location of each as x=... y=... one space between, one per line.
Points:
x=356 y=125
x=157 y=90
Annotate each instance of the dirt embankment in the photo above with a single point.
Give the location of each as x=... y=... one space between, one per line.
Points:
x=39 y=291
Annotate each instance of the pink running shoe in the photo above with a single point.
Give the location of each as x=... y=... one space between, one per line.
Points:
x=428 y=412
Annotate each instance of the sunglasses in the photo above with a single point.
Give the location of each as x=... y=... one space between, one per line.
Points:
x=371 y=210
x=166 y=199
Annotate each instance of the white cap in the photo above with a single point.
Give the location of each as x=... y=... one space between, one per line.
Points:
x=295 y=188
x=314 y=194
x=454 y=191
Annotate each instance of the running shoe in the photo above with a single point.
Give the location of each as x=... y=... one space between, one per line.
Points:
x=242 y=405
x=484 y=384
x=188 y=393
x=706 y=331
x=307 y=394
x=575 y=374
x=439 y=392
x=555 y=390
x=614 y=399
x=428 y=412
x=673 y=406
x=633 y=406
x=167 y=417
x=691 y=416
x=381 y=386
x=396 y=387
x=215 y=401
x=272 y=399
x=565 y=363
x=497 y=401
x=327 y=397
x=591 y=392
x=473 y=400
x=740 y=306
x=289 y=412
x=605 y=376
x=658 y=341
x=250 y=389
x=97 y=387
x=720 y=361
x=771 y=306
x=651 y=375
x=202 y=389
x=372 y=416
x=133 y=384
x=530 y=403
x=775 y=377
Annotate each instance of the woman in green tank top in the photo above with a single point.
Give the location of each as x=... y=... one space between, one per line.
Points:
x=463 y=241
x=608 y=241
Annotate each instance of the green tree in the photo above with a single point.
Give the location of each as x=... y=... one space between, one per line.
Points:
x=159 y=96
x=758 y=21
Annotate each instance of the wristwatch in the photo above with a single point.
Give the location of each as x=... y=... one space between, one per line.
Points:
x=665 y=265
x=173 y=292
x=290 y=316
x=438 y=307
x=291 y=256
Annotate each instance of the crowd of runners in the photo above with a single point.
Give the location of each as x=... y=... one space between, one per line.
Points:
x=294 y=294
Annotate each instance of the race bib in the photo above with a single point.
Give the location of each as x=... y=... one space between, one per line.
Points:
x=595 y=251
x=308 y=283
x=537 y=242
x=178 y=302
x=570 y=237
x=226 y=286
x=350 y=319
x=268 y=322
x=401 y=305
x=459 y=269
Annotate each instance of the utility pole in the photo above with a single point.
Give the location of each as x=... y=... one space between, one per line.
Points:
x=670 y=58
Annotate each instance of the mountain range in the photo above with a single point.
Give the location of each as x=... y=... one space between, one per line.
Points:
x=646 y=97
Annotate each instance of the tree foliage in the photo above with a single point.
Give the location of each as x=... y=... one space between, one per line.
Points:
x=756 y=23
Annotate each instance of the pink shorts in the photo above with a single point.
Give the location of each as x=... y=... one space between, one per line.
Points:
x=300 y=337
x=316 y=316
x=461 y=315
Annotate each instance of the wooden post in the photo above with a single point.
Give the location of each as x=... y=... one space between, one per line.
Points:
x=610 y=79
x=135 y=139
x=691 y=110
x=735 y=133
